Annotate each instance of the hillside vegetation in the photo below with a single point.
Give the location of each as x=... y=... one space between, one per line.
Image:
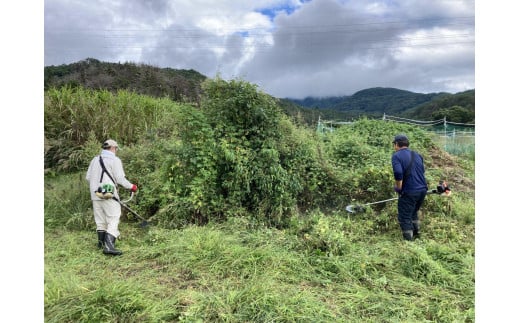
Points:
x=185 y=86
x=247 y=213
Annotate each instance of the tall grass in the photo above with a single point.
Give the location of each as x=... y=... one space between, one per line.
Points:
x=75 y=117
x=67 y=202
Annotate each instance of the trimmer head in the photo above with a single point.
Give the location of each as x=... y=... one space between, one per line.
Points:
x=355 y=208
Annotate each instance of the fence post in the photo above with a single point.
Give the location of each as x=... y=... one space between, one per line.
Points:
x=445 y=135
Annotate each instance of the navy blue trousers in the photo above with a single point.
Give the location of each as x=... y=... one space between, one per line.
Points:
x=408 y=205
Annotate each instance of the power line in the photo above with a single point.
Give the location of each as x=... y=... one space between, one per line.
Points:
x=310 y=47
x=327 y=42
x=311 y=35
x=231 y=30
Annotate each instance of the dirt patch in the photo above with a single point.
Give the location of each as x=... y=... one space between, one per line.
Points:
x=455 y=175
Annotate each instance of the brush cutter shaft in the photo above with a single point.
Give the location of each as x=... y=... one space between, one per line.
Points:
x=359 y=208
x=132 y=211
x=129 y=209
x=394 y=198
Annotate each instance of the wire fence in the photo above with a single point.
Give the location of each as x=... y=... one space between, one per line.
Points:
x=456 y=138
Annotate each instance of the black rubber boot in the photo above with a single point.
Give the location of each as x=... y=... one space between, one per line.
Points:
x=109 y=247
x=408 y=235
x=101 y=238
x=416 y=231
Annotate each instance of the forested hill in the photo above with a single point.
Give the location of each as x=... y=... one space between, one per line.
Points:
x=378 y=100
x=458 y=107
x=178 y=85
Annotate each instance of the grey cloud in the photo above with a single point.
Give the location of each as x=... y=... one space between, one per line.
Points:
x=109 y=31
x=179 y=47
x=74 y=32
x=346 y=51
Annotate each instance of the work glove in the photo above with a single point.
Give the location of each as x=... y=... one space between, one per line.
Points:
x=134 y=188
x=443 y=187
x=397 y=190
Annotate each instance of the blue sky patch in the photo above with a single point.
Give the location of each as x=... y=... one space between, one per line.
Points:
x=274 y=11
x=243 y=33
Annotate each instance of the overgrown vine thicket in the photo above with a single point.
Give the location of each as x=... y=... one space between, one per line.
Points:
x=236 y=154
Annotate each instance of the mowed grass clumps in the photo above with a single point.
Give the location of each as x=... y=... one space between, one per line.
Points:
x=237 y=271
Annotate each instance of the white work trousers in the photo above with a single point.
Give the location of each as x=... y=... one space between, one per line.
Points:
x=106 y=215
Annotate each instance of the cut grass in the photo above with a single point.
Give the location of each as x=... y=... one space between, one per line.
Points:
x=234 y=273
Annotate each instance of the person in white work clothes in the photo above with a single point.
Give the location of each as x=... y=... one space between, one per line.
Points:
x=104 y=174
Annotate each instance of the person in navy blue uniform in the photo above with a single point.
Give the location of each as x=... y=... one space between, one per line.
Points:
x=410 y=184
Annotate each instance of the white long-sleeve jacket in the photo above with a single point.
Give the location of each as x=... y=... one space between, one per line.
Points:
x=114 y=166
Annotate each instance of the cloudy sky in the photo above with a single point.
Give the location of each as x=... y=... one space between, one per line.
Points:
x=289 y=48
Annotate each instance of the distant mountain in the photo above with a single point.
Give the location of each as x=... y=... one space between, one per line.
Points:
x=376 y=100
x=320 y=102
x=309 y=116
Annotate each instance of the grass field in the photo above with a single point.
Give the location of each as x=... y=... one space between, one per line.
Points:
x=323 y=268
x=461 y=145
x=273 y=241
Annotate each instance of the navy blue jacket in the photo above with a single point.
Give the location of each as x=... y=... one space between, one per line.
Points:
x=416 y=182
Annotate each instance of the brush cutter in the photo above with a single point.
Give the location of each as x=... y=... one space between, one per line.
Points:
x=442 y=189
x=123 y=204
